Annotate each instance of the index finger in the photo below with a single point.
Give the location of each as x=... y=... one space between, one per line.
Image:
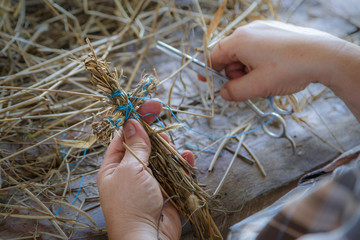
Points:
x=225 y=52
x=149 y=109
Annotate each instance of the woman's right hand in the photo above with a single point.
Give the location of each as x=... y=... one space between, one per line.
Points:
x=270 y=58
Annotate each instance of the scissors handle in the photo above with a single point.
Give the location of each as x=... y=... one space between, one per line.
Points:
x=265 y=117
x=278 y=109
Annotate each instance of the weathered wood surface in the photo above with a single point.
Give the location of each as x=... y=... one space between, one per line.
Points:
x=246 y=190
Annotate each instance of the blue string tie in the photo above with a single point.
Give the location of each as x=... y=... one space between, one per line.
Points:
x=117 y=93
x=77 y=195
x=144 y=87
x=128 y=107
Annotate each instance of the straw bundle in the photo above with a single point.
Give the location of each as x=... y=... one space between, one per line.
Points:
x=47 y=102
x=172 y=171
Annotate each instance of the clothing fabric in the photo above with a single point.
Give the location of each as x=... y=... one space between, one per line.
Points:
x=325 y=205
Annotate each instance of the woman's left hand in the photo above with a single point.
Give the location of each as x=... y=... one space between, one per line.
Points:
x=130 y=196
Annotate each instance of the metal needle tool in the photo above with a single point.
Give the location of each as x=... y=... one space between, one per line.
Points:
x=220 y=80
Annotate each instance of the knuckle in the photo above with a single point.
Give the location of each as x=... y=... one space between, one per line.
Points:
x=257 y=23
x=125 y=166
x=132 y=166
x=141 y=146
x=138 y=169
x=218 y=47
x=241 y=31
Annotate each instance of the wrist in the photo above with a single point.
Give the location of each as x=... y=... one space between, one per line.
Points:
x=346 y=70
x=344 y=77
x=324 y=59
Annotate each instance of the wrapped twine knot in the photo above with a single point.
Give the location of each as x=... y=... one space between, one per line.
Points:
x=128 y=110
x=123 y=104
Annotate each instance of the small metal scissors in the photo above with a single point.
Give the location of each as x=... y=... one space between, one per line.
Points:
x=220 y=80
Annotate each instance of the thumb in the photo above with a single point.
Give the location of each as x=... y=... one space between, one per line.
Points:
x=251 y=85
x=138 y=141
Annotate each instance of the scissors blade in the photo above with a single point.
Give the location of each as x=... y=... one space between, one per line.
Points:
x=195 y=64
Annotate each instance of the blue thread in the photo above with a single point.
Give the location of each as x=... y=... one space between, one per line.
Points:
x=157 y=119
x=271 y=105
x=119 y=108
x=77 y=194
x=115 y=124
x=63 y=152
x=200 y=133
x=111 y=121
x=85 y=151
x=63 y=148
x=202 y=150
x=128 y=107
x=117 y=93
x=146 y=84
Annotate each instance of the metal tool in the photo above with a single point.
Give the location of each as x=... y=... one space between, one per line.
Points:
x=220 y=80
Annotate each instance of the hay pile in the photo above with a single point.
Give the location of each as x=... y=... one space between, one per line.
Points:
x=47 y=103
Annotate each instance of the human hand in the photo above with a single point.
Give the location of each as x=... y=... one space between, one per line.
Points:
x=268 y=58
x=130 y=197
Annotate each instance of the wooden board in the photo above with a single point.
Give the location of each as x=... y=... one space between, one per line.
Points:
x=246 y=191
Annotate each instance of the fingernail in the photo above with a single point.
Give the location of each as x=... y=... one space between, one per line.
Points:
x=129 y=129
x=225 y=94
